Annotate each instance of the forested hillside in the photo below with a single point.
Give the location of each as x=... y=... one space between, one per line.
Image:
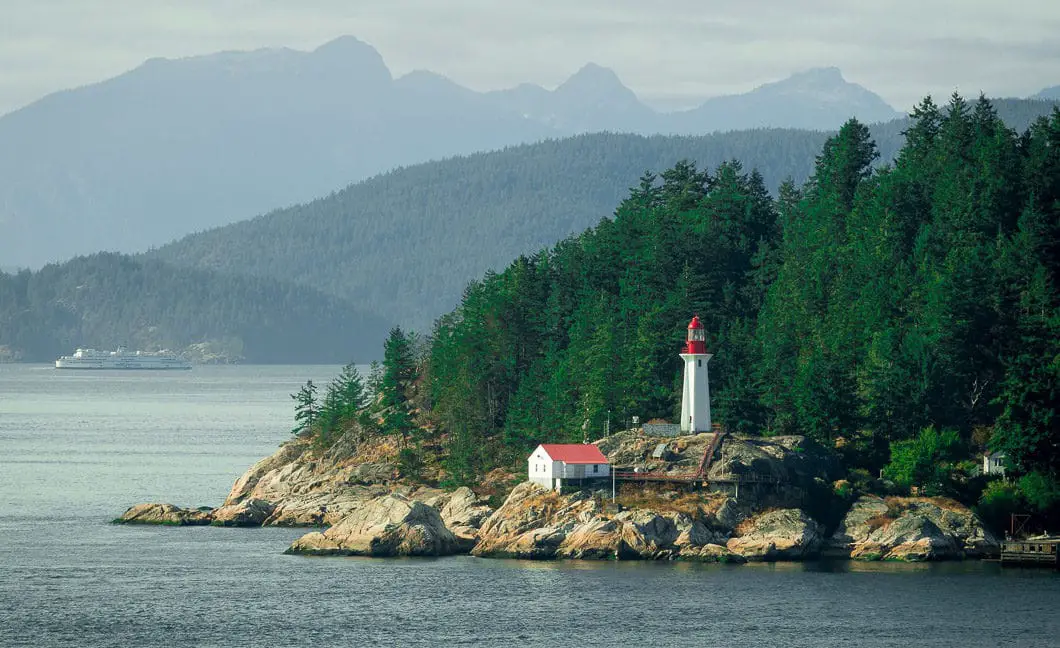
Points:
x=108 y=300
x=907 y=315
x=406 y=243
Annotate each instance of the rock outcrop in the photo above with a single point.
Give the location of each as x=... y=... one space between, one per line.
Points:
x=858 y=523
x=463 y=513
x=392 y=525
x=248 y=513
x=168 y=514
x=787 y=534
x=356 y=490
x=536 y=523
x=776 y=472
x=353 y=489
x=913 y=529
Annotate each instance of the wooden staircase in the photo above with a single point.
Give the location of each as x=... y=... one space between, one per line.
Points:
x=708 y=455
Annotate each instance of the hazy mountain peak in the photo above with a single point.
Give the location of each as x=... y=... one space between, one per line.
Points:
x=818 y=98
x=1048 y=93
x=351 y=56
x=346 y=46
x=830 y=74
x=822 y=79
x=594 y=79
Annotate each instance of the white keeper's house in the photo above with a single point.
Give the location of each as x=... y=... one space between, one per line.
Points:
x=553 y=464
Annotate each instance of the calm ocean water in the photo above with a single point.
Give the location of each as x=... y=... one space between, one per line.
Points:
x=77 y=449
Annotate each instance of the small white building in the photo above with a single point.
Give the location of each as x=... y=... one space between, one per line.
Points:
x=994 y=463
x=551 y=464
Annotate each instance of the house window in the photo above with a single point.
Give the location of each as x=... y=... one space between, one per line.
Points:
x=699 y=363
x=596 y=468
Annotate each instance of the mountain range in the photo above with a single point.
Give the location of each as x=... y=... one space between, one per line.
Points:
x=405 y=244
x=176 y=146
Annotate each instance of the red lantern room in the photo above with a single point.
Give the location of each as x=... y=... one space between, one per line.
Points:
x=697 y=337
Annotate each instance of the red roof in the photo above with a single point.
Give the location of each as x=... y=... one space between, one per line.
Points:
x=695 y=323
x=575 y=453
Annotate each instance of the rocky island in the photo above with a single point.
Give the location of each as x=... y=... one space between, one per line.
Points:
x=367 y=507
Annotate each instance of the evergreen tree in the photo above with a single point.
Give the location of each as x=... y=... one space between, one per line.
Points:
x=305 y=412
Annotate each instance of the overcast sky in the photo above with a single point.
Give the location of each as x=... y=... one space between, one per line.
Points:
x=668 y=51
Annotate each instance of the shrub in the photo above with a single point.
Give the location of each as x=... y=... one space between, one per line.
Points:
x=926 y=461
x=998 y=501
x=410 y=462
x=1040 y=491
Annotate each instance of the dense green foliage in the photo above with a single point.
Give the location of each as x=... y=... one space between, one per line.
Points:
x=927 y=461
x=860 y=309
x=108 y=300
x=405 y=244
x=325 y=420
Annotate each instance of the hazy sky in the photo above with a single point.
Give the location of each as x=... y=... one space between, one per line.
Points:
x=667 y=51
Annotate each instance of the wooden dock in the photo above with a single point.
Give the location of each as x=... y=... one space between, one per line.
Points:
x=1043 y=551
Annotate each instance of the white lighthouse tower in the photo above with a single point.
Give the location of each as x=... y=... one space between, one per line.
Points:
x=695 y=402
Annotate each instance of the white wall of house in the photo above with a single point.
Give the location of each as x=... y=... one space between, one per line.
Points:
x=994 y=463
x=542 y=469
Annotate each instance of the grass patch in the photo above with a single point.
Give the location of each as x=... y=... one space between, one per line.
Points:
x=548 y=503
x=659 y=499
x=879 y=522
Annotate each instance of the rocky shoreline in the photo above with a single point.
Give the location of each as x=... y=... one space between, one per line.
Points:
x=369 y=510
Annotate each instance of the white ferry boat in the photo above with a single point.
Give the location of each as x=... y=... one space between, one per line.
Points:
x=120 y=359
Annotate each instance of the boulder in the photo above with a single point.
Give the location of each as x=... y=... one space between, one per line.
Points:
x=709 y=553
x=959 y=523
x=598 y=539
x=167 y=514
x=463 y=513
x=286 y=455
x=635 y=534
x=855 y=526
x=251 y=512
x=532 y=523
x=392 y=525
x=311 y=488
x=875 y=529
x=785 y=534
x=537 y=523
x=696 y=534
x=464 y=508
x=912 y=538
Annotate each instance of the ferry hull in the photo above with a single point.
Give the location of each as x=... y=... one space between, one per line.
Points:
x=85 y=367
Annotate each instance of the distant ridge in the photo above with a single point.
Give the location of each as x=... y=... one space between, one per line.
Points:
x=109 y=300
x=817 y=99
x=405 y=244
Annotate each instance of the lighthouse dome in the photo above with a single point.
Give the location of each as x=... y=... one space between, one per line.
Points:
x=697 y=337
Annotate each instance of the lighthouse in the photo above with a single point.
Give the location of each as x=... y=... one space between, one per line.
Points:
x=695 y=401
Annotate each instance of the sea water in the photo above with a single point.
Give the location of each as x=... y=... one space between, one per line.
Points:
x=76 y=449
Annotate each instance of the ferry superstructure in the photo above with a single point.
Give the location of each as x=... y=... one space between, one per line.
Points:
x=120 y=359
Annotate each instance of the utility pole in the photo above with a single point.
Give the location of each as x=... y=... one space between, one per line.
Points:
x=607 y=429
